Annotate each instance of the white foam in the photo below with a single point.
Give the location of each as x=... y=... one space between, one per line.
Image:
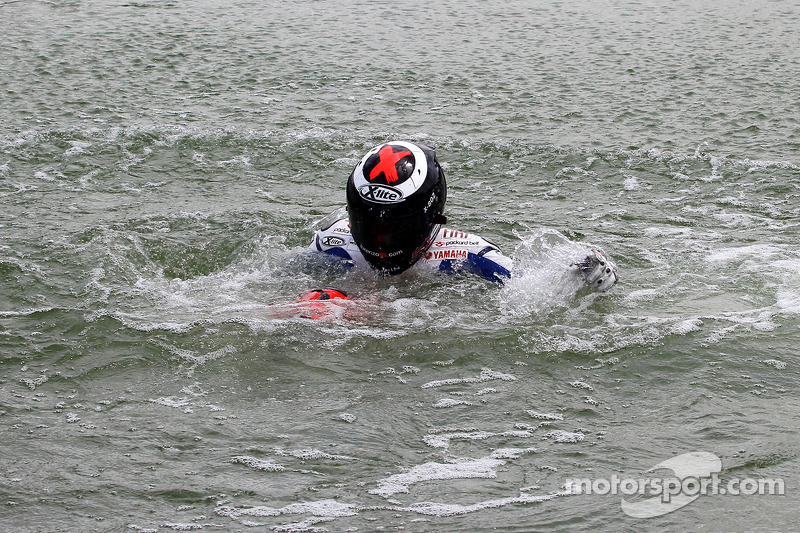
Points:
x=329 y=508
x=32 y=383
x=172 y=401
x=487 y=374
x=240 y=162
x=77 y=147
x=464 y=469
x=762 y=252
x=738 y=220
x=510 y=453
x=631 y=183
x=304 y=526
x=581 y=385
x=258 y=464
x=322 y=508
x=310 y=454
x=788 y=301
x=756 y=165
x=565 y=436
x=667 y=231
x=44 y=176
x=780 y=365
x=141 y=529
x=196 y=357
x=25 y=312
x=449 y=509
x=450 y=402
x=442 y=440
x=187 y=527
x=545 y=416
x=600 y=363
x=686 y=326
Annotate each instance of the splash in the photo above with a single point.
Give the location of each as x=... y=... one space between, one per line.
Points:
x=544 y=280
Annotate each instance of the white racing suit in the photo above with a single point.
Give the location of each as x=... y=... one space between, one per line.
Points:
x=450 y=251
x=455 y=251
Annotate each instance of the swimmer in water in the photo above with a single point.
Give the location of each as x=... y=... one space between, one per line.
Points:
x=394 y=221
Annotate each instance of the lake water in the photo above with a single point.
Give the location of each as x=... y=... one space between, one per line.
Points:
x=163 y=166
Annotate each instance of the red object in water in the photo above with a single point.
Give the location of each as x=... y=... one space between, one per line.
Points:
x=323 y=294
x=315 y=303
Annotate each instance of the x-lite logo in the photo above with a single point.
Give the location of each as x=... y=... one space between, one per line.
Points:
x=380 y=193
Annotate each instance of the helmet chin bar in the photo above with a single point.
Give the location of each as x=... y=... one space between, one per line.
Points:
x=393 y=263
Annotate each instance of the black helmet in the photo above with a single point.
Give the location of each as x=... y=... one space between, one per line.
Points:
x=395 y=200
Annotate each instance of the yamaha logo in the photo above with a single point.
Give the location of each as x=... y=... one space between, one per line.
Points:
x=380 y=193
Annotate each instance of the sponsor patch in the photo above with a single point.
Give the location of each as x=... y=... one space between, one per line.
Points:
x=441 y=244
x=331 y=240
x=447 y=254
x=380 y=193
x=381 y=255
x=451 y=234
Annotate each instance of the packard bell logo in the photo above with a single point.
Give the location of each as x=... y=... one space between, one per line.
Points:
x=380 y=193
